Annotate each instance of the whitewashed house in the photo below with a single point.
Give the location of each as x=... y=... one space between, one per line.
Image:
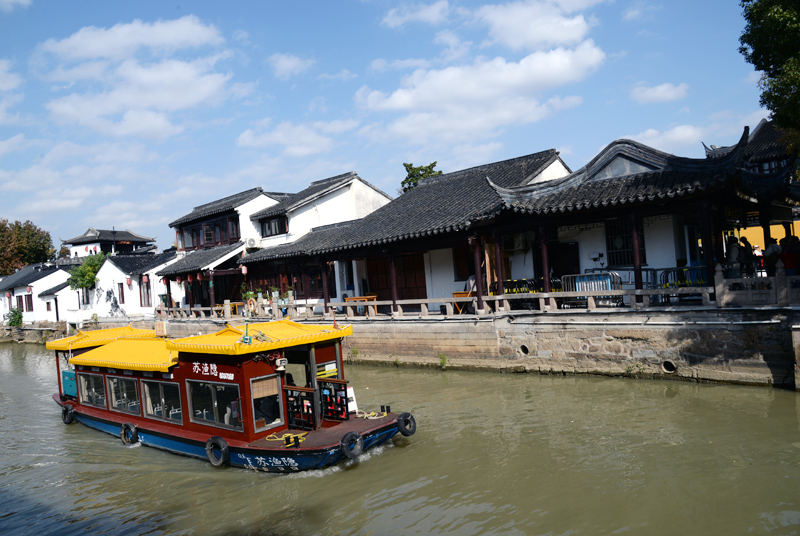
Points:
x=127 y=286
x=21 y=289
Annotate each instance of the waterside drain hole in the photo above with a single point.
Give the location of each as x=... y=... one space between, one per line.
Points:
x=524 y=349
x=669 y=367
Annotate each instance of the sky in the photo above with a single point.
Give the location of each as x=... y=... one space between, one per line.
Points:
x=127 y=115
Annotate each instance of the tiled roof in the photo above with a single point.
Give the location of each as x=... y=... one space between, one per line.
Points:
x=105 y=235
x=763 y=145
x=441 y=204
x=200 y=258
x=219 y=206
x=27 y=275
x=54 y=290
x=658 y=176
x=140 y=264
x=315 y=190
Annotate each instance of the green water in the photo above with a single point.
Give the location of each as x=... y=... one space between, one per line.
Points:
x=493 y=454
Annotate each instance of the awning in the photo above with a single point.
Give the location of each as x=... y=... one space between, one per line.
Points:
x=99 y=337
x=265 y=336
x=130 y=354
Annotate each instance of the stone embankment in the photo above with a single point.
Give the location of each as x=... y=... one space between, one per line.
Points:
x=746 y=346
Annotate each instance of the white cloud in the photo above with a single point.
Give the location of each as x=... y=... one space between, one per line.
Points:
x=382 y=65
x=485 y=80
x=672 y=140
x=343 y=75
x=639 y=11
x=533 y=25
x=462 y=102
x=435 y=13
x=124 y=40
x=8 y=80
x=455 y=47
x=13 y=144
x=661 y=93
x=7 y=102
x=141 y=96
x=288 y=65
x=297 y=140
x=9 y=5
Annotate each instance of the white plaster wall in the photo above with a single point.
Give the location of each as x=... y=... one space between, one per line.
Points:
x=659 y=239
x=333 y=207
x=80 y=251
x=365 y=200
x=40 y=312
x=521 y=263
x=248 y=228
x=440 y=274
x=556 y=170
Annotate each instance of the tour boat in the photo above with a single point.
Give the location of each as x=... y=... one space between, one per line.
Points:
x=228 y=397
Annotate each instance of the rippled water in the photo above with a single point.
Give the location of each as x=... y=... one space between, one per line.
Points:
x=493 y=454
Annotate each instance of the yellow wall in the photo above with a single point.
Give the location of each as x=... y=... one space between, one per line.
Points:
x=756 y=236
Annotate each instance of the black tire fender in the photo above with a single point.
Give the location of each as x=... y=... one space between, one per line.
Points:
x=352 y=445
x=67 y=414
x=216 y=443
x=128 y=434
x=406 y=424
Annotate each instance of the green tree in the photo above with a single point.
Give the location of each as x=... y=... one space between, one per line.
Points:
x=22 y=244
x=771 y=42
x=85 y=275
x=414 y=174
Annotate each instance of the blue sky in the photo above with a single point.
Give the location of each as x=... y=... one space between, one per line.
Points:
x=128 y=114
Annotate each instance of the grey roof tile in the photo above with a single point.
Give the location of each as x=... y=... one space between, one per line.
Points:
x=199 y=259
x=219 y=206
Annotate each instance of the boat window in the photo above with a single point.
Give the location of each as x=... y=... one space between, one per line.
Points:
x=266 y=402
x=91 y=389
x=162 y=400
x=123 y=394
x=216 y=403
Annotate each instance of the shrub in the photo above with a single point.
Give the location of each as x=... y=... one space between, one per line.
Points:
x=14 y=316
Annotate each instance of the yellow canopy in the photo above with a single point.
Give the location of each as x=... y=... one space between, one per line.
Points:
x=99 y=337
x=130 y=354
x=265 y=336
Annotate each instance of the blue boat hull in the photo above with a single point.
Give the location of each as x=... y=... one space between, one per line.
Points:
x=278 y=460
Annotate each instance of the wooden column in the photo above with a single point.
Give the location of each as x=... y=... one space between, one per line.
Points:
x=498 y=261
x=211 y=288
x=476 y=253
x=636 y=220
x=764 y=218
x=708 y=247
x=393 y=280
x=325 y=294
x=545 y=260
x=169 y=294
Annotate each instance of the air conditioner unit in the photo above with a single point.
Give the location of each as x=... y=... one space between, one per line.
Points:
x=251 y=243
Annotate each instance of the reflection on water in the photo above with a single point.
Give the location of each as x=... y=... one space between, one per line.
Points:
x=493 y=454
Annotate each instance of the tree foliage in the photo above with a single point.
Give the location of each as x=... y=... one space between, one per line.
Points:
x=771 y=42
x=85 y=275
x=22 y=244
x=414 y=174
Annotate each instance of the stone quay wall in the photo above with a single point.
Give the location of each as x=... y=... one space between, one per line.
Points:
x=745 y=346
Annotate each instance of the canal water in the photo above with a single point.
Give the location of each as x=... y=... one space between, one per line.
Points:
x=493 y=454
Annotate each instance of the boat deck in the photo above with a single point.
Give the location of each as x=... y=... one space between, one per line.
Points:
x=331 y=435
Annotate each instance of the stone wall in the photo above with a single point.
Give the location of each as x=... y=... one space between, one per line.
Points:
x=748 y=346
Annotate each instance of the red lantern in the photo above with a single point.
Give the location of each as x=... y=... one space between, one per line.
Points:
x=144 y=279
x=8 y=294
x=178 y=280
x=190 y=278
x=87 y=249
x=166 y=281
x=30 y=289
x=128 y=281
x=244 y=270
x=199 y=276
